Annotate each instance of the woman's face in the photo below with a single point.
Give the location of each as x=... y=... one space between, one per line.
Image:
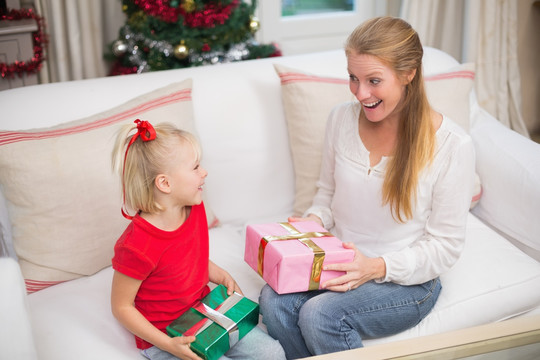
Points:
x=376 y=86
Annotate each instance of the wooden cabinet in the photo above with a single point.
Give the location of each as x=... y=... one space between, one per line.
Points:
x=16 y=45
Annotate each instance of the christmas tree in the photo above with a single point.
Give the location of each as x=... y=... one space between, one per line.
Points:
x=171 y=34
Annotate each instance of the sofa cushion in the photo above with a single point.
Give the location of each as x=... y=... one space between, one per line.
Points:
x=492 y=281
x=95 y=329
x=62 y=196
x=482 y=287
x=308 y=100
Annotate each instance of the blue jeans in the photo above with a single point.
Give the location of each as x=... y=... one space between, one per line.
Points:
x=255 y=345
x=320 y=322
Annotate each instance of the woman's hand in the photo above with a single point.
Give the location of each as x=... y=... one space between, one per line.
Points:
x=310 y=217
x=179 y=347
x=361 y=270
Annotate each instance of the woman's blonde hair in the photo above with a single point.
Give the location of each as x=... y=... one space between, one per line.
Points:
x=395 y=43
x=145 y=160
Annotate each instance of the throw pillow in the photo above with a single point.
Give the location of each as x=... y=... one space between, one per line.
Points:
x=62 y=196
x=308 y=100
x=448 y=93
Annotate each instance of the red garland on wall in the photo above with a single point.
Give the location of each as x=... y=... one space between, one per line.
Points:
x=39 y=39
x=208 y=17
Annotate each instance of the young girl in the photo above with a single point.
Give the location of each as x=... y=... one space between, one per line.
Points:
x=161 y=261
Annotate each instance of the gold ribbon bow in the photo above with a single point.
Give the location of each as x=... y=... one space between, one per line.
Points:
x=304 y=238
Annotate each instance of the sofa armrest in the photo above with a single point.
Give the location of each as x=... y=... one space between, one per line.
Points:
x=509 y=168
x=16 y=338
x=483 y=340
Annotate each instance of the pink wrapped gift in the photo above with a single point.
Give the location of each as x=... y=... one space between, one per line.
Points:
x=290 y=256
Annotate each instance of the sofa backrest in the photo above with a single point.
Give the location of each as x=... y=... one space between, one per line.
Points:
x=238 y=115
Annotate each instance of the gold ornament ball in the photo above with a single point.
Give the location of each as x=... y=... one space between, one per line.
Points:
x=254 y=24
x=188 y=6
x=181 y=51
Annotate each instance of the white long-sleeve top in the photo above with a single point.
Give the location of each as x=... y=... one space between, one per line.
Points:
x=349 y=200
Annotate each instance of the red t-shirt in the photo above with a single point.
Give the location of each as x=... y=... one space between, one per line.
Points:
x=173 y=266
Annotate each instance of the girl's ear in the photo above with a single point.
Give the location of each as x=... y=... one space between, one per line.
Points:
x=162 y=183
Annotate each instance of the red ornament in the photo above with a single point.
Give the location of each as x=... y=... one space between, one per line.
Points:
x=277 y=51
x=119 y=69
x=205 y=47
x=39 y=38
x=211 y=14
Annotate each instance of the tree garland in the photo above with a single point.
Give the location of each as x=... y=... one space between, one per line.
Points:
x=207 y=17
x=39 y=40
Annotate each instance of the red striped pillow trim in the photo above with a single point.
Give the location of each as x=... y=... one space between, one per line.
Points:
x=214 y=223
x=465 y=74
x=290 y=77
x=478 y=196
x=35 y=285
x=8 y=137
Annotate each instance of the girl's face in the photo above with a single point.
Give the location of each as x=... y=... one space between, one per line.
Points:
x=376 y=86
x=186 y=175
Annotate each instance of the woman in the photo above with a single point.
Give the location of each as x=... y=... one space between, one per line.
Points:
x=395 y=185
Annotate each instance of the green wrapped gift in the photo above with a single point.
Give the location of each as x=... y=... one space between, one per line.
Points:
x=217 y=321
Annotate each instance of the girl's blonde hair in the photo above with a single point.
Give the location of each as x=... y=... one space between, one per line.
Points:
x=145 y=160
x=395 y=43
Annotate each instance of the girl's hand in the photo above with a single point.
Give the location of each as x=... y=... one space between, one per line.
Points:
x=310 y=217
x=361 y=270
x=179 y=347
x=231 y=285
x=217 y=275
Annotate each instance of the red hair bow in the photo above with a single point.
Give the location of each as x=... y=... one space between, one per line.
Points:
x=146 y=132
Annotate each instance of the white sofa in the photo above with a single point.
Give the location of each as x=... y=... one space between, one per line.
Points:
x=243 y=127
